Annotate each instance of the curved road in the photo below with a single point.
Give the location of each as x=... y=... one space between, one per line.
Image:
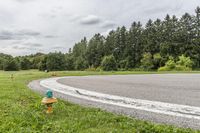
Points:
x=176 y=88
x=164 y=98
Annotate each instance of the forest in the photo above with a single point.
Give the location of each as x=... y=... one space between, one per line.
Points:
x=169 y=44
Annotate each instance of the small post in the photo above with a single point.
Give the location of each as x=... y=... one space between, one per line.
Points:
x=12 y=77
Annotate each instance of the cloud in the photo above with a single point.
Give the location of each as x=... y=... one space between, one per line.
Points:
x=32 y=44
x=27 y=46
x=58 y=47
x=17 y=35
x=25 y=1
x=27 y=33
x=90 y=20
x=19 y=47
x=62 y=23
x=50 y=36
x=108 y=24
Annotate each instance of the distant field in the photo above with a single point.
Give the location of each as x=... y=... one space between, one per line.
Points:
x=21 y=110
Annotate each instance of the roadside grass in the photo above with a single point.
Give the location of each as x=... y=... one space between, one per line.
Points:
x=22 y=112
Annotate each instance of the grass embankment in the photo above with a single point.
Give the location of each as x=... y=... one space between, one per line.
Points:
x=21 y=110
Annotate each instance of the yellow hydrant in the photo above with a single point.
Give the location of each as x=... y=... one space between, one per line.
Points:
x=49 y=100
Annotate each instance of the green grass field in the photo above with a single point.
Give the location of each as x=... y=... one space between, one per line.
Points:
x=22 y=112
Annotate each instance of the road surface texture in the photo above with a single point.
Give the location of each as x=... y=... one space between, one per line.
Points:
x=162 y=98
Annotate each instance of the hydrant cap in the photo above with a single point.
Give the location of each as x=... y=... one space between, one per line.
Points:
x=49 y=94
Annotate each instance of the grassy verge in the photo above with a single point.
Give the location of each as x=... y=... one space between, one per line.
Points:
x=21 y=111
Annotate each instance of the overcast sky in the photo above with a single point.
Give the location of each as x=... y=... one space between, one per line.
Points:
x=30 y=26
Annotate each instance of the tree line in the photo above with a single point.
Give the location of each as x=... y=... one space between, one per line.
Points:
x=150 y=47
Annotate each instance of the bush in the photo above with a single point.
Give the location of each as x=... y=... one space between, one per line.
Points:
x=109 y=63
x=170 y=64
x=185 y=61
x=99 y=69
x=91 y=68
x=182 y=68
x=164 y=69
x=123 y=64
x=183 y=64
x=147 y=61
x=157 y=60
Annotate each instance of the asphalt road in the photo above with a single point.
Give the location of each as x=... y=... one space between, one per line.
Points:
x=171 y=88
x=174 y=91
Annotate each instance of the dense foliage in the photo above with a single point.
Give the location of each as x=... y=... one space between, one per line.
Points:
x=108 y=63
x=146 y=47
x=183 y=64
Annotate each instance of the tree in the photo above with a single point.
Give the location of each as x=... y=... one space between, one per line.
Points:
x=25 y=64
x=109 y=63
x=138 y=46
x=10 y=65
x=80 y=64
x=95 y=50
x=79 y=55
x=3 y=58
x=120 y=43
x=196 y=40
x=197 y=22
x=1 y=63
x=134 y=47
x=36 y=59
x=69 y=61
x=110 y=43
x=147 y=61
x=43 y=64
x=56 y=61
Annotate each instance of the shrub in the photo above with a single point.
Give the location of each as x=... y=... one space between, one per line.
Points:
x=91 y=68
x=123 y=64
x=109 y=63
x=147 y=61
x=157 y=60
x=170 y=64
x=164 y=69
x=99 y=69
x=185 y=61
x=183 y=64
x=182 y=68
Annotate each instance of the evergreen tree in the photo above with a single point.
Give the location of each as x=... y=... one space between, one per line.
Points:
x=95 y=50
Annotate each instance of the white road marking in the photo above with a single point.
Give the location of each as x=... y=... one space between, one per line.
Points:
x=146 y=105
